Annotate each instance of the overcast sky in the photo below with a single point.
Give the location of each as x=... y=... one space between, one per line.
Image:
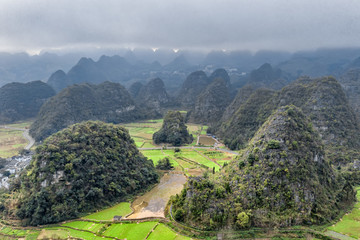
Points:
x=34 y=25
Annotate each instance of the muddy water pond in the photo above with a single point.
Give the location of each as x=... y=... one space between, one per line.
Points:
x=206 y=141
x=152 y=203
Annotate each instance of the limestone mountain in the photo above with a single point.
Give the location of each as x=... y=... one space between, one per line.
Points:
x=194 y=84
x=58 y=80
x=322 y=100
x=246 y=120
x=118 y=69
x=20 y=101
x=267 y=77
x=109 y=102
x=135 y=88
x=211 y=103
x=153 y=95
x=82 y=168
x=86 y=70
x=173 y=130
x=221 y=73
x=241 y=97
x=350 y=81
x=325 y=103
x=269 y=184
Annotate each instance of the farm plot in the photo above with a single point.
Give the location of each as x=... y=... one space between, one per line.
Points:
x=130 y=231
x=162 y=232
x=120 y=209
x=156 y=155
x=350 y=223
x=197 y=157
x=142 y=132
x=11 y=142
x=219 y=156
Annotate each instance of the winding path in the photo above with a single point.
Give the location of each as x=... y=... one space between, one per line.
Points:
x=25 y=135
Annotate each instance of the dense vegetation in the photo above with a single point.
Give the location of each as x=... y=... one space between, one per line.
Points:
x=194 y=84
x=20 y=101
x=173 y=130
x=269 y=184
x=322 y=100
x=108 y=102
x=153 y=95
x=81 y=168
x=211 y=103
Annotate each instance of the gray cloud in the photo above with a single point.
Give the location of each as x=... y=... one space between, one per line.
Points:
x=196 y=24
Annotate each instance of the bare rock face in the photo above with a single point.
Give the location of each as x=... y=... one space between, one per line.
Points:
x=153 y=95
x=194 y=84
x=350 y=82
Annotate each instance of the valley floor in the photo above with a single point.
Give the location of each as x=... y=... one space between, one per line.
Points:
x=145 y=217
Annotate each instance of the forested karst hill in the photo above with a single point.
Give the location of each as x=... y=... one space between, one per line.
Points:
x=269 y=184
x=20 y=101
x=173 y=130
x=81 y=168
x=322 y=100
x=109 y=102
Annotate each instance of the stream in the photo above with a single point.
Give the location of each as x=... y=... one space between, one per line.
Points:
x=152 y=203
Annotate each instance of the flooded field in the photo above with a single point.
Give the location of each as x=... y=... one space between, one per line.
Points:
x=152 y=203
x=206 y=141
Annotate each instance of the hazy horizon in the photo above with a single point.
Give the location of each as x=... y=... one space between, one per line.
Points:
x=253 y=25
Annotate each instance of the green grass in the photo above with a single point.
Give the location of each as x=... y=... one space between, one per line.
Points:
x=130 y=231
x=54 y=234
x=195 y=156
x=120 y=209
x=350 y=223
x=162 y=232
x=154 y=155
x=83 y=225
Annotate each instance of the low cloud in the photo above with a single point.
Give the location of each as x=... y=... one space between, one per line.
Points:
x=226 y=24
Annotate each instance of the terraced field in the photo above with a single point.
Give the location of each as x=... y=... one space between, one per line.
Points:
x=131 y=231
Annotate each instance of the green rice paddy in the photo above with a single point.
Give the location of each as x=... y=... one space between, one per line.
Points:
x=130 y=231
x=121 y=209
